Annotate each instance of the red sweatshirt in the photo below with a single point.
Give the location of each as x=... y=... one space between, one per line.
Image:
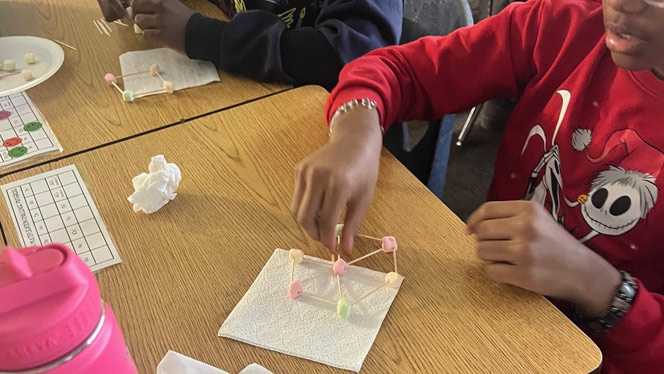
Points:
x=585 y=140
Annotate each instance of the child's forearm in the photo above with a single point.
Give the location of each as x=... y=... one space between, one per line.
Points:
x=259 y=45
x=434 y=76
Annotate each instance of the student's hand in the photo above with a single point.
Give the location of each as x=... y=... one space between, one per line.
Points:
x=342 y=173
x=526 y=247
x=163 y=21
x=113 y=10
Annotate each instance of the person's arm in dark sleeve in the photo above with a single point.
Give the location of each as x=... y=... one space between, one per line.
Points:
x=256 y=43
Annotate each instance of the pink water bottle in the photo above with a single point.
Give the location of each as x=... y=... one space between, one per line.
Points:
x=52 y=318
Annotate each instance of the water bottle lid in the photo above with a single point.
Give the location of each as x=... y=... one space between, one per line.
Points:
x=50 y=304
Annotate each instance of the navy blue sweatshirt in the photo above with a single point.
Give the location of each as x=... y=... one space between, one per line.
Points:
x=294 y=41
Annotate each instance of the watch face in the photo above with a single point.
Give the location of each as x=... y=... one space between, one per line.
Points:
x=627 y=290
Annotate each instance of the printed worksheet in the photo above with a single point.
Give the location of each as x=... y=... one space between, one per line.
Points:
x=56 y=207
x=23 y=131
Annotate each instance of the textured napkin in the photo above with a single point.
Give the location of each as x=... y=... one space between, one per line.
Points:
x=174 y=67
x=255 y=369
x=177 y=363
x=306 y=328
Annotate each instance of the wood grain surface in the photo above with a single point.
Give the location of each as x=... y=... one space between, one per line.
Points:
x=80 y=107
x=186 y=266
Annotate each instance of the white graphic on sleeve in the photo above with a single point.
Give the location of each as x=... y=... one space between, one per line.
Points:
x=551 y=183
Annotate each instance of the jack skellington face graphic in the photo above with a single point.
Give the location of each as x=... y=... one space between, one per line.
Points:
x=618 y=200
x=621 y=195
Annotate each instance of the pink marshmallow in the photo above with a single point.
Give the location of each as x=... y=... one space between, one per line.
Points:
x=154 y=70
x=389 y=244
x=340 y=267
x=295 y=289
x=110 y=79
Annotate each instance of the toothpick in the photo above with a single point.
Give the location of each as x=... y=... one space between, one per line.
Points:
x=318 y=298
x=370 y=237
x=395 y=262
x=65 y=44
x=103 y=28
x=370 y=293
x=121 y=23
x=159 y=75
x=105 y=24
x=341 y=295
x=132 y=74
x=9 y=74
x=143 y=94
x=119 y=89
x=97 y=26
x=365 y=256
x=292 y=270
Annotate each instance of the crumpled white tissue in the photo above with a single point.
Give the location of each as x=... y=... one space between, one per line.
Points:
x=154 y=190
x=177 y=363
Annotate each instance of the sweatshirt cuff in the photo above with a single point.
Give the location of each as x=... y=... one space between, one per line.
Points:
x=203 y=38
x=337 y=99
x=642 y=323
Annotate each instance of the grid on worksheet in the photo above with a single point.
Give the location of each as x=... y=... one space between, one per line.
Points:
x=61 y=213
x=19 y=113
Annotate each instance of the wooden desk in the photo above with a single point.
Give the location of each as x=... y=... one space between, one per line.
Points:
x=186 y=266
x=80 y=107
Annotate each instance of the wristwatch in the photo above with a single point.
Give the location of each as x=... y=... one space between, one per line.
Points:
x=620 y=305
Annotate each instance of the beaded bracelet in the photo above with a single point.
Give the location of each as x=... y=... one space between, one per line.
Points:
x=345 y=107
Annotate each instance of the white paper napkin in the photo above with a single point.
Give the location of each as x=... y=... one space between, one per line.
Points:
x=255 y=369
x=177 y=363
x=306 y=328
x=174 y=67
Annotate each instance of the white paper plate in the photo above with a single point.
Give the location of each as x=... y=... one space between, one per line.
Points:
x=48 y=56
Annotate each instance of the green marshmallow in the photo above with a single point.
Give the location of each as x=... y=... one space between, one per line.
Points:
x=128 y=96
x=9 y=65
x=343 y=309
